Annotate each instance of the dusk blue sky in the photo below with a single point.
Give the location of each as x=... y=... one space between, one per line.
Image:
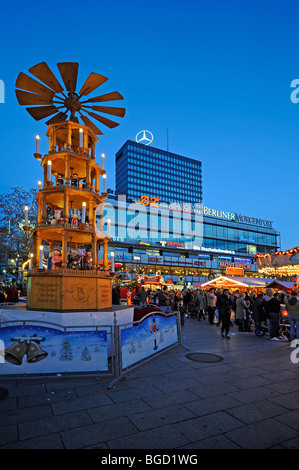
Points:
x=217 y=74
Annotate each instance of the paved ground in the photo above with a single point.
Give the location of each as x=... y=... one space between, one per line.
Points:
x=249 y=400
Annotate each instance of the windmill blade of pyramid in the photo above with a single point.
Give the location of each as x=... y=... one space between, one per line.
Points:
x=103 y=120
x=113 y=96
x=108 y=110
x=43 y=72
x=41 y=112
x=26 y=98
x=69 y=74
x=93 y=81
x=90 y=124
x=24 y=82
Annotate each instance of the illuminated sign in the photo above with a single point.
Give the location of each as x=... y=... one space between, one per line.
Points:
x=218 y=250
x=176 y=244
x=144 y=137
x=236 y=217
x=148 y=201
x=220 y=214
x=153 y=259
x=225 y=264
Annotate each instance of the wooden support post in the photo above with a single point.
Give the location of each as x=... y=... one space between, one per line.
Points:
x=105 y=254
x=85 y=139
x=66 y=207
x=44 y=210
x=69 y=137
x=67 y=171
x=88 y=176
x=38 y=242
x=97 y=183
x=53 y=140
x=94 y=252
x=90 y=213
x=64 y=251
x=40 y=211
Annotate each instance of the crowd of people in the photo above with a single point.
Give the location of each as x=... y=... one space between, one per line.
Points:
x=249 y=311
x=10 y=293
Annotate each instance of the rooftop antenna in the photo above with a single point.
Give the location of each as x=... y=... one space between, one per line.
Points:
x=167 y=141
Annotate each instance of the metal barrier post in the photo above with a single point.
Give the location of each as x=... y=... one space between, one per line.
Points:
x=116 y=351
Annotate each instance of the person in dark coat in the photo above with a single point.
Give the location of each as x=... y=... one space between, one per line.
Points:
x=259 y=314
x=272 y=307
x=115 y=295
x=225 y=304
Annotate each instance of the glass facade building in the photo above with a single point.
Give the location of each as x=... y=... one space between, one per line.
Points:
x=190 y=241
x=142 y=169
x=159 y=224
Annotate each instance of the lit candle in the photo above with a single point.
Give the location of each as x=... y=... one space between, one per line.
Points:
x=103 y=157
x=112 y=261
x=41 y=257
x=49 y=170
x=83 y=212
x=30 y=260
x=108 y=227
x=37 y=143
x=39 y=183
x=104 y=183
x=81 y=137
x=26 y=214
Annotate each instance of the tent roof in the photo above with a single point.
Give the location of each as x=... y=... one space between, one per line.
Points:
x=224 y=281
x=285 y=285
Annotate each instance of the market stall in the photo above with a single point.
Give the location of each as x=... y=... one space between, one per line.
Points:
x=240 y=283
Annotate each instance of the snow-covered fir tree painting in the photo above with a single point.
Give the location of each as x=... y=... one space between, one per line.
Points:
x=152 y=335
x=85 y=356
x=66 y=353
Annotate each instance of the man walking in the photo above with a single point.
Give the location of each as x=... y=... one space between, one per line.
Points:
x=225 y=303
x=292 y=306
x=211 y=304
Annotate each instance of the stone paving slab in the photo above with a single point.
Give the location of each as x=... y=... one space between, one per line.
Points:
x=261 y=435
x=250 y=400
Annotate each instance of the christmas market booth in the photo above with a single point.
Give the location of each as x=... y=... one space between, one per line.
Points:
x=237 y=283
x=284 y=286
x=283 y=265
x=153 y=282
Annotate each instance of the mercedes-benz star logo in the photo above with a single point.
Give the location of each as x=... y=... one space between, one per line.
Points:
x=144 y=137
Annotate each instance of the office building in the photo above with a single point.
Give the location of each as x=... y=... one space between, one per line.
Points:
x=143 y=169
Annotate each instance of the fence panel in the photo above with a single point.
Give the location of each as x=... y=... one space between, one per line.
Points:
x=45 y=348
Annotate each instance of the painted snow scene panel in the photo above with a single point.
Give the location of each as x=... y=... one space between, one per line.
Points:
x=152 y=335
x=40 y=349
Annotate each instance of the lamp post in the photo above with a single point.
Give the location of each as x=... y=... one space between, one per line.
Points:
x=26 y=215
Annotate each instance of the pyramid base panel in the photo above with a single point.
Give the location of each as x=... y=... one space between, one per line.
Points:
x=69 y=291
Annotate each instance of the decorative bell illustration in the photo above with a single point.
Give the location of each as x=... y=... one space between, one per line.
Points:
x=15 y=353
x=35 y=353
